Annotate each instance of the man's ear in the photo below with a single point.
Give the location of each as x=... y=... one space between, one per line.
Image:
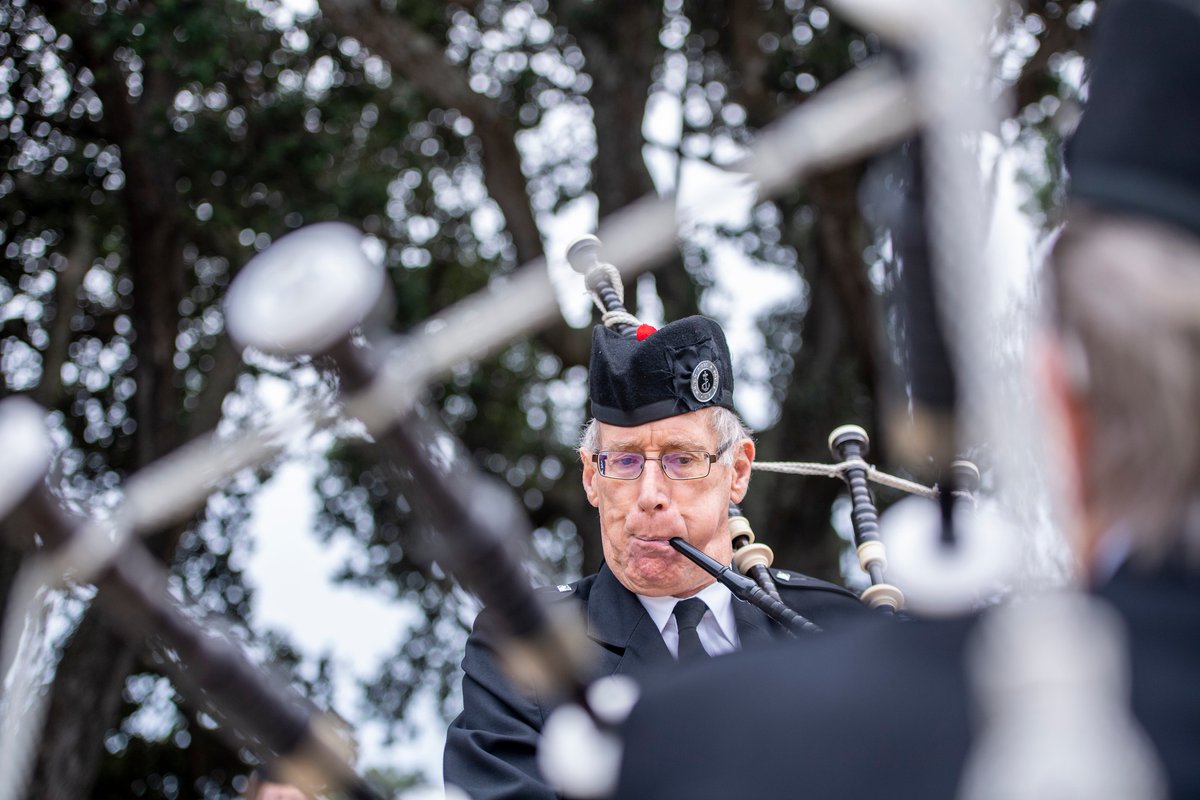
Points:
x=1069 y=429
x=743 y=459
x=1068 y=420
x=590 y=476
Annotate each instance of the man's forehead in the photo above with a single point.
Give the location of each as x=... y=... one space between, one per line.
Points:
x=691 y=429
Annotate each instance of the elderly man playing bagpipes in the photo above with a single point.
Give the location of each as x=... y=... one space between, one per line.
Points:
x=663 y=457
x=1091 y=695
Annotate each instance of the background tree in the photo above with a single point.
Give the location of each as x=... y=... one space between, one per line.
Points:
x=148 y=149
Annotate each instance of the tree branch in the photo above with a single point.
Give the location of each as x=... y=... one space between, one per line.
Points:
x=219 y=382
x=420 y=60
x=749 y=63
x=66 y=299
x=96 y=661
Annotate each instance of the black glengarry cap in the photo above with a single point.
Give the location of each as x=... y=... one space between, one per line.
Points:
x=681 y=367
x=1137 y=147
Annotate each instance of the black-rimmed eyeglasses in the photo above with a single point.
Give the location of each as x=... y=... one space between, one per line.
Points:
x=678 y=465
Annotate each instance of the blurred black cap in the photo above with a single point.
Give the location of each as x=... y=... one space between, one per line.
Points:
x=1137 y=147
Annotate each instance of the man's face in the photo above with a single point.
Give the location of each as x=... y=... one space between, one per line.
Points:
x=638 y=517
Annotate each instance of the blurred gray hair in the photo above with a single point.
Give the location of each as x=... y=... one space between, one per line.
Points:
x=727 y=425
x=1127 y=296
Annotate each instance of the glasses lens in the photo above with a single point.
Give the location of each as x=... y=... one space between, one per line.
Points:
x=685 y=465
x=621 y=465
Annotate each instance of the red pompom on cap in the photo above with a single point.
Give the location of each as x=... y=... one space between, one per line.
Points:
x=644 y=331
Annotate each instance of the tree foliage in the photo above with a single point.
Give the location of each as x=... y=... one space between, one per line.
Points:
x=149 y=149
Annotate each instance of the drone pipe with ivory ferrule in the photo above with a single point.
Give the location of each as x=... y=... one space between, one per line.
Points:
x=602 y=280
x=752 y=559
x=850 y=445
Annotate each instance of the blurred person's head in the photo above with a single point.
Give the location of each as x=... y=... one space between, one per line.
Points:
x=1128 y=313
x=263 y=785
x=1125 y=279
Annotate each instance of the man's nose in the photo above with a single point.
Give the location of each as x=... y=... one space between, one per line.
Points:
x=653 y=487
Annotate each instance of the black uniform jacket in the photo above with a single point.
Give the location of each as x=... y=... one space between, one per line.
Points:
x=887 y=710
x=491 y=747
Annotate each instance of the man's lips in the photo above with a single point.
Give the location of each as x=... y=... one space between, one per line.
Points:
x=653 y=541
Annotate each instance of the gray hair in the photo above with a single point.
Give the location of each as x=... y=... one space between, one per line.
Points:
x=727 y=425
x=1127 y=297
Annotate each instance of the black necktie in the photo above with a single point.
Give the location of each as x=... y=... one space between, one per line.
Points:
x=688 y=614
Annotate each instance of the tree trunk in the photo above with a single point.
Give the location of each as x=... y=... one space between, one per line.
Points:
x=10 y=563
x=420 y=60
x=619 y=40
x=86 y=693
x=84 y=701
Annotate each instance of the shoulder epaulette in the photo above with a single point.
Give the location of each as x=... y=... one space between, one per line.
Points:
x=555 y=591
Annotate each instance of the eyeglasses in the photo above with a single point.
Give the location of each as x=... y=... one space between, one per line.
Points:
x=678 y=465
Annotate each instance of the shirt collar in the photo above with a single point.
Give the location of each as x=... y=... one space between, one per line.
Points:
x=1112 y=551
x=716 y=596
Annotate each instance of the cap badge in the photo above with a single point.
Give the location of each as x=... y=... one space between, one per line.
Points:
x=705 y=381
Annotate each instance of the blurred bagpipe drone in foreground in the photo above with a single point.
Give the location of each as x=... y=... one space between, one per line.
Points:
x=317 y=294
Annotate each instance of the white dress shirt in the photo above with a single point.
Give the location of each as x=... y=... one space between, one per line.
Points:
x=717 y=629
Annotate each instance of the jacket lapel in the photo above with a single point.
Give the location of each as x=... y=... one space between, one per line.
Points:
x=619 y=623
